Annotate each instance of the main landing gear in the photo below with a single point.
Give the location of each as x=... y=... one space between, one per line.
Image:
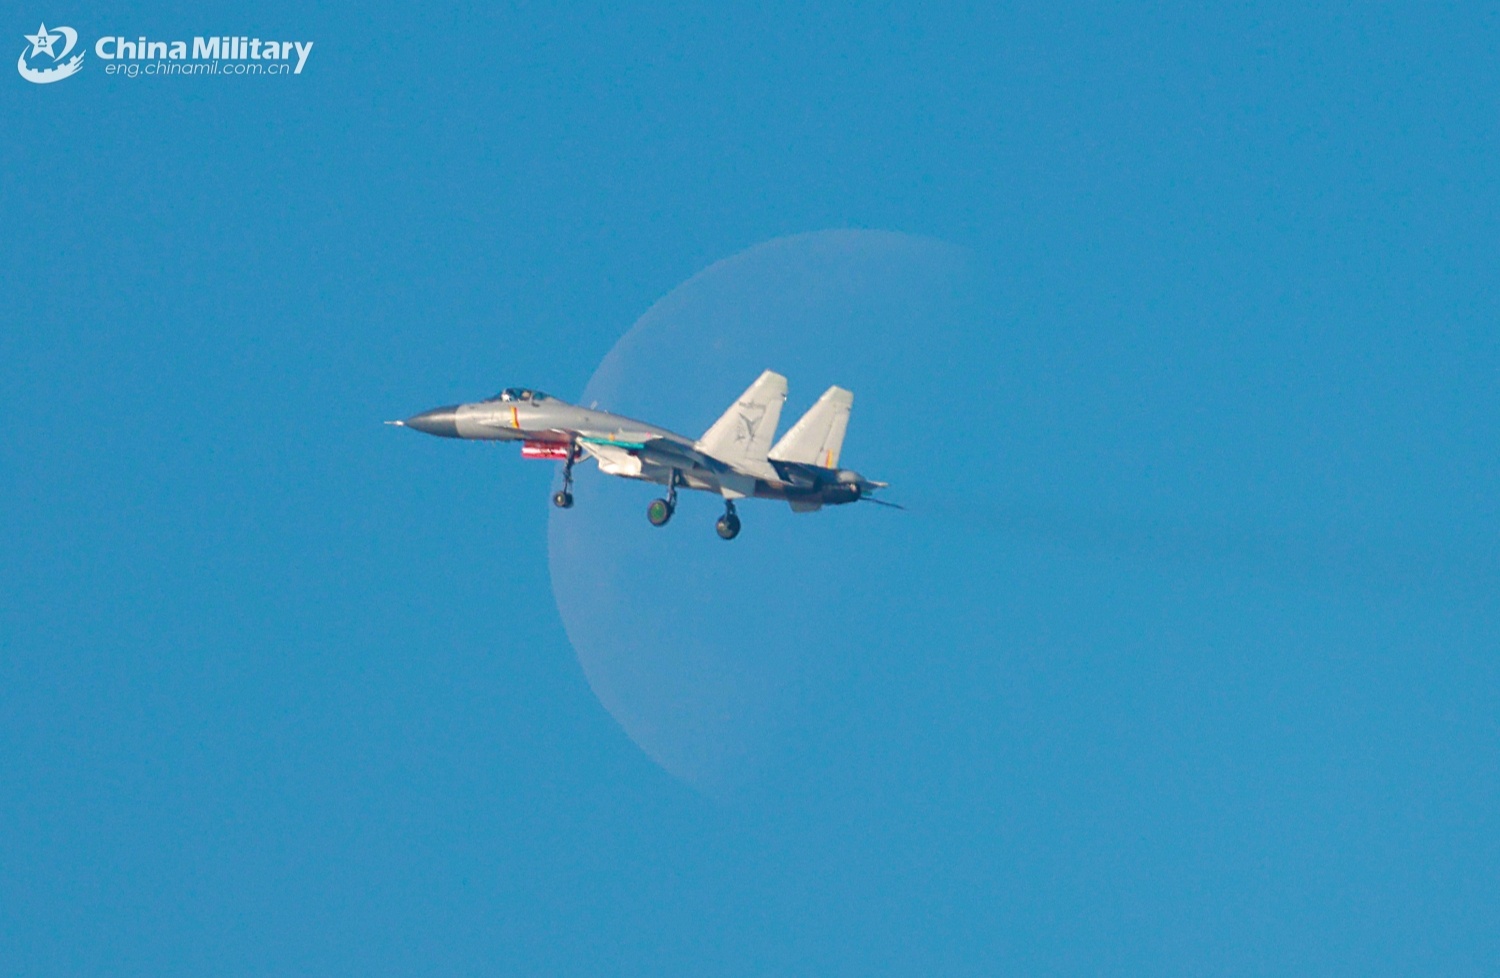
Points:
x=563 y=498
x=729 y=524
x=661 y=510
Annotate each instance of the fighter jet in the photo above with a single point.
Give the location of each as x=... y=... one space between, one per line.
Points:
x=735 y=458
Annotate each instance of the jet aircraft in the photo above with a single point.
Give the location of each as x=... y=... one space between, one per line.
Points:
x=735 y=458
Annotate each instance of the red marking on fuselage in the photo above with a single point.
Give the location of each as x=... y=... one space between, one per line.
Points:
x=555 y=450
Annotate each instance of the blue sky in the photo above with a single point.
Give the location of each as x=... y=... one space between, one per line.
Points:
x=1185 y=658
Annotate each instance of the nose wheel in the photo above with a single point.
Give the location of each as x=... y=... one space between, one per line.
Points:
x=728 y=526
x=563 y=499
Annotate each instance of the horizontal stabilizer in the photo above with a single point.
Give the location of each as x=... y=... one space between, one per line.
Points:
x=743 y=435
x=818 y=436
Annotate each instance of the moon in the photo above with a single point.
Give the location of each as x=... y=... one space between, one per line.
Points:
x=715 y=657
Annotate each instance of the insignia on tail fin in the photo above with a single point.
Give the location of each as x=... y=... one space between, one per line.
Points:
x=818 y=436
x=742 y=437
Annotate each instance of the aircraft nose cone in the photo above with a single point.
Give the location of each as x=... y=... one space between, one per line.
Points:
x=442 y=421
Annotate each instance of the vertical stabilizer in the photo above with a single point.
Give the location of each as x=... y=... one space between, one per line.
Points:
x=818 y=436
x=743 y=435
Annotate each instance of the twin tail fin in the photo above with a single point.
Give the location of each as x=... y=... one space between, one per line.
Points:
x=818 y=436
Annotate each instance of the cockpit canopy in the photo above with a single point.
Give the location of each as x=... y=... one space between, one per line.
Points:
x=521 y=394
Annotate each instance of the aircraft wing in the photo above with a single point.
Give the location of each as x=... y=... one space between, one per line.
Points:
x=649 y=449
x=654 y=457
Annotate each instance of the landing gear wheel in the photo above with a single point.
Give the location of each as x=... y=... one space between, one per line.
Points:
x=563 y=498
x=728 y=526
x=659 y=512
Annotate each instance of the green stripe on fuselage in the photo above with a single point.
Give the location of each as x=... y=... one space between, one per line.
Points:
x=611 y=441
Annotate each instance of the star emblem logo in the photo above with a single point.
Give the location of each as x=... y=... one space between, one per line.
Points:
x=42 y=41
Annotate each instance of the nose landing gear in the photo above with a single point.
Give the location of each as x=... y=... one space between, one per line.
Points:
x=563 y=499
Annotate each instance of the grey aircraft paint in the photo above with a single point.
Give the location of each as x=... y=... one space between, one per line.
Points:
x=735 y=458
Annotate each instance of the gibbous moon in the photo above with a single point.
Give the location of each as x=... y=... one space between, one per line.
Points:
x=710 y=654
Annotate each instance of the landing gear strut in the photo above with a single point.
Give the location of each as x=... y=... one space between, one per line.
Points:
x=729 y=524
x=563 y=499
x=661 y=510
